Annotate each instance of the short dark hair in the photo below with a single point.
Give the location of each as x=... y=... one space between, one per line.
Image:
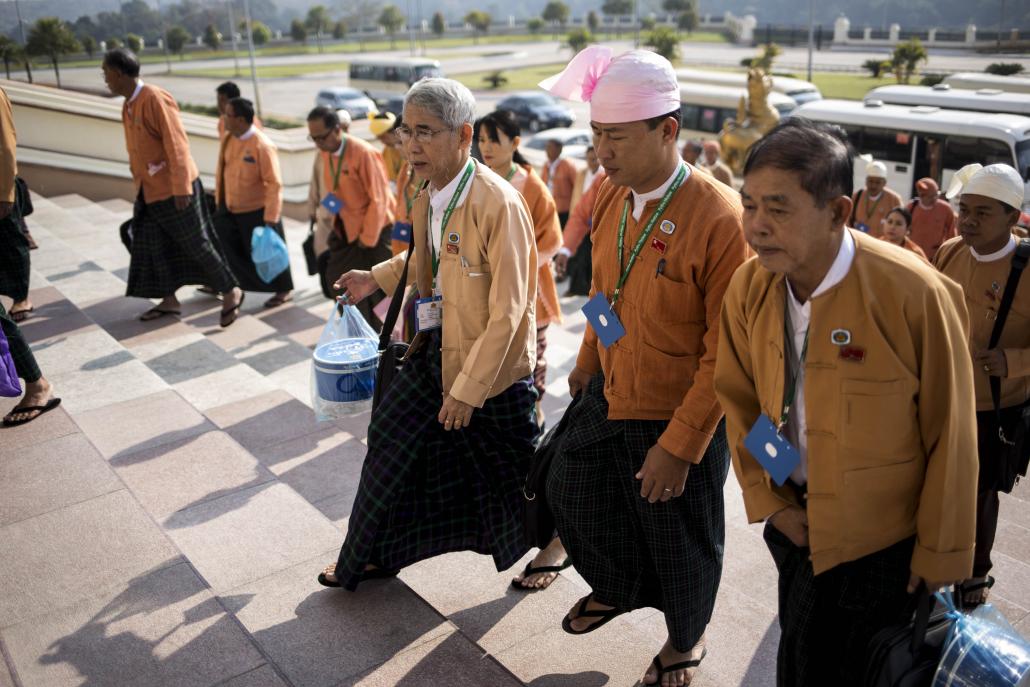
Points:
x=122 y=60
x=229 y=90
x=656 y=122
x=500 y=121
x=241 y=107
x=817 y=152
x=590 y=149
x=905 y=215
x=327 y=114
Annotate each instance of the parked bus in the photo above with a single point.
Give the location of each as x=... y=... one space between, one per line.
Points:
x=944 y=96
x=799 y=91
x=706 y=108
x=978 y=80
x=387 y=76
x=917 y=142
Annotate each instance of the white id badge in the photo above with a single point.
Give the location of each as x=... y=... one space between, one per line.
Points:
x=429 y=313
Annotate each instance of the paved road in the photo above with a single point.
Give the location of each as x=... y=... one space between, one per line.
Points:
x=293 y=96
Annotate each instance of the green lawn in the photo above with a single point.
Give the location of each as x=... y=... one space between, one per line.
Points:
x=847 y=86
x=272 y=72
x=518 y=79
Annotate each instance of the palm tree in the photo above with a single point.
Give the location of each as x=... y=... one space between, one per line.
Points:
x=51 y=37
x=319 y=22
x=9 y=51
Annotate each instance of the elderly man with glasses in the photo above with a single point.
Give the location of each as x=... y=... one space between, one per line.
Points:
x=350 y=201
x=449 y=446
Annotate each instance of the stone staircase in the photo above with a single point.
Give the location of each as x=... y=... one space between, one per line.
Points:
x=165 y=525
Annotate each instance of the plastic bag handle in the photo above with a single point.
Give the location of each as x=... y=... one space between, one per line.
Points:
x=395 y=302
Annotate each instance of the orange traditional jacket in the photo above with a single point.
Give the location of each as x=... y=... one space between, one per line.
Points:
x=159 y=150
x=578 y=226
x=221 y=125
x=248 y=176
x=909 y=245
x=663 y=368
x=8 y=142
x=407 y=191
x=368 y=205
x=548 y=240
x=563 y=183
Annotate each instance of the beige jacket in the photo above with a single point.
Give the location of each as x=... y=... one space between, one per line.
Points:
x=891 y=422
x=489 y=300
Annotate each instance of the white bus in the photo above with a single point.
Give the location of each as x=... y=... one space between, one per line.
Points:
x=383 y=77
x=977 y=80
x=799 y=91
x=948 y=98
x=705 y=108
x=917 y=142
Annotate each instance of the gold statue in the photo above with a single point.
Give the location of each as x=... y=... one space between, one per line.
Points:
x=755 y=117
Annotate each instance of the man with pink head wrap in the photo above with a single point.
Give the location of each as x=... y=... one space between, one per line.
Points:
x=933 y=220
x=636 y=487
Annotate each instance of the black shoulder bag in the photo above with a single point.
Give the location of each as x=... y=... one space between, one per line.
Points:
x=391 y=353
x=854 y=207
x=309 y=250
x=1012 y=422
x=906 y=655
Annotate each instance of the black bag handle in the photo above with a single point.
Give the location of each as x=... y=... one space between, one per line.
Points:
x=1019 y=262
x=924 y=605
x=396 y=302
x=854 y=207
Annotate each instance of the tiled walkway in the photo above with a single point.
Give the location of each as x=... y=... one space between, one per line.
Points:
x=166 y=524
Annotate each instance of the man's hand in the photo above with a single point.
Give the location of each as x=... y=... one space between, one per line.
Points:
x=792 y=522
x=578 y=380
x=663 y=476
x=357 y=285
x=915 y=580
x=561 y=265
x=5 y=209
x=182 y=202
x=992 y=362
x=454 y=414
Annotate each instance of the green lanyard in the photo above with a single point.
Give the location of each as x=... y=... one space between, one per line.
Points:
x=447 y=217
x=511 y=173
x=409 y=199
x=791 y=389
x=868 y=212
x=339 y=166
x=644 y=235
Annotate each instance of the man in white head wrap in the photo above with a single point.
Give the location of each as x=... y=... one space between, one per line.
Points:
x=637 y=488
x=871 y=204
x=981 y=259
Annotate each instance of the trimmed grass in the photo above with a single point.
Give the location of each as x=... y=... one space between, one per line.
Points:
x=847 y=86
x=524 y=79
x=272 y=72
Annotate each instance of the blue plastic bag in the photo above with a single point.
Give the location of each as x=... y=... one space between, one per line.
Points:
x=343 y=365
x=982 y=650
x=10 y=385
x=269 y=253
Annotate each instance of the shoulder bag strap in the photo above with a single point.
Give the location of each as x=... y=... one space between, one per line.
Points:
x=1019 y=262
x=396 y=301
x=854 y=207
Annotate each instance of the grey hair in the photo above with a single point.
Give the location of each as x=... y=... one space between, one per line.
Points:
x=448 y=100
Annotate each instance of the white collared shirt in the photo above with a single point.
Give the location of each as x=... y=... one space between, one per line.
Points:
x=996 y=255
x=139 y=87
x=800 y=317
x=438 y=202
x=642 y=199
x=552 y=169
x=249 y=133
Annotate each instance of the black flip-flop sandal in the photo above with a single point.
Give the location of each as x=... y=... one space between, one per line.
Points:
x=230 y=315
x=530 y=570
x=582 y=612
x=156 y=312
x=50 y=405
x=374 y=574
x=23 y=314
x=963 y=589
x=682 y=665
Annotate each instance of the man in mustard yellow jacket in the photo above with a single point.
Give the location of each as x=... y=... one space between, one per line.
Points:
x=850 y=415
x=449 y=446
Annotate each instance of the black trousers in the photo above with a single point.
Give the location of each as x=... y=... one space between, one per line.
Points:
x=828 y=620
x=986 y=492
x=343 y=257
x=234 y=232
x=581 y=269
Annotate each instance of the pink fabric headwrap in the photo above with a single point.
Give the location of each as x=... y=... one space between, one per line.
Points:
x=634 y=86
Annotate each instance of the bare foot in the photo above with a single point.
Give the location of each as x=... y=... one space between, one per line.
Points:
x=231 y=298
x=330 y=571
x=552 y=556
x=669 y=656
x=585 y=623
x=979 y=596
x=169 y=304
x=36 y=394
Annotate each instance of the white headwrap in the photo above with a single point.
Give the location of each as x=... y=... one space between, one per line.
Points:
x=876 y=170
x=998 y=181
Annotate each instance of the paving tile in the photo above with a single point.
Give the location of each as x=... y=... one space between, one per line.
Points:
x=83 y=390
x=322 y=465
x=293 y=320
x=234 y=383
x=1013 y=540
x=84 y=549
x=70 y=201
x=250 y=534
x=51 y=425
x=183 y=358
x=122 y=429
x=1014 y=510
x=164 y=628
x=265 y=420
x=118 y=206
x=54 y=318
x=202 y=468
x=89 y=285
x=273 y=355
x=6 y=679
x=120 y=318
x=244 y=333
x=445 y=660
x=747 y=564
x=43 y=477
x=264 y=676
x=89 y=350
x=295 y=380
x=317 y=636
x=1013 y=579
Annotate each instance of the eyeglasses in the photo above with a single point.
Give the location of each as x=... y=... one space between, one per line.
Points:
x=322 y=137
x=422 y=134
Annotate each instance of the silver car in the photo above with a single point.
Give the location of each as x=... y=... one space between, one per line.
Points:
x=356 y=103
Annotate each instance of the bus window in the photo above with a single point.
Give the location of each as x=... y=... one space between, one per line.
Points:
x=427 y=71
x=1023 y=158
x=885 y=144
x=709 y=120
x=690 y=115
x=960 y=151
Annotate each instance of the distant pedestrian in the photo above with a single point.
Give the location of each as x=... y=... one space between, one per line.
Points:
x=559 y=174
x=870 y=205
x=691 y=151
x=896 y=229
x=223 y=94
x=712 y=162
x=15 y=263
x=933 y=220
x=382 y=126
x=173 y=242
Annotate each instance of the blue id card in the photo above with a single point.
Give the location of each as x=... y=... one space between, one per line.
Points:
x=401 y=232
x=772 y=450
x=332 y=203
x=603 y=320
x=428 y=313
